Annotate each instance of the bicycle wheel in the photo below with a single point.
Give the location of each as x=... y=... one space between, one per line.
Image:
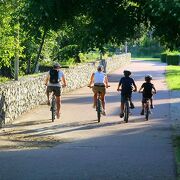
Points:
x=53 y=109
x=98 y=108
x=126 y=111
x=147 y=113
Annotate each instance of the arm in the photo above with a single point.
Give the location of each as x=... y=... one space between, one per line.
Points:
x=135 y=87
x=47 y=79
x=119 y=85
x=154 y=89
x=142 y=86
x=106 y=81
x=64 y=81
x=91 y=80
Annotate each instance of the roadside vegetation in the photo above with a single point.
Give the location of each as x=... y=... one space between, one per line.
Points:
x=172 y=77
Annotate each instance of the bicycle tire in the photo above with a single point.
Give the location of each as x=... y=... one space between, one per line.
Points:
x=53 y=109
x=126 y=111
x=98 y=109
x=147 y=114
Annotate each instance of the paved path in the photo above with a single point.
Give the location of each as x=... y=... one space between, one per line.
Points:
x=112 y=149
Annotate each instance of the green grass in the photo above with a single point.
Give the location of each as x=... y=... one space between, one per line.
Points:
x=172 y=77
x=4 y=79
x=146 y=59
x=176 y=142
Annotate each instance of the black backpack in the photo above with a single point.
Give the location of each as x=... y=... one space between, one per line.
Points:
x=53 y=76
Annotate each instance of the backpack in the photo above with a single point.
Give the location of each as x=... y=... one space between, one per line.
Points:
x=53 y=76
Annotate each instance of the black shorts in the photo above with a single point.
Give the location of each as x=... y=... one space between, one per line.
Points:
x=55 y=89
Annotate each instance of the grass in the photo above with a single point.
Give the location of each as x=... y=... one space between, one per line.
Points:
x=172 y=77
x=176 y=141
x=146 y=58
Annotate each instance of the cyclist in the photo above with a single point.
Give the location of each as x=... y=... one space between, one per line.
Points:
x=147 y=87
x=100 y=80
x=126 y=85
x=54 y=81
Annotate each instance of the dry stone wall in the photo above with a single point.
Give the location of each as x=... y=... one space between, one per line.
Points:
x=17 y=97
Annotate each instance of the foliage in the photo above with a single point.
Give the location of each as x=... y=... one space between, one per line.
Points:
x=3 y=79
x=172 y=77
x=164 y=16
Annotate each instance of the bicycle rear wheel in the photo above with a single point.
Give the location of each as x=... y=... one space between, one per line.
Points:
x=53 y=109
x=99 y=109
x=147 y=111
x=147 y=114
x=126 y=111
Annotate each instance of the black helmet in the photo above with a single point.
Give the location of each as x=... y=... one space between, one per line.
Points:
x=100 y=68
x=127 y=72
x=56 y=65
x=148 y=77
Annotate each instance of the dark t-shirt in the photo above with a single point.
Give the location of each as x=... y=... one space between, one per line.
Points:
x=147 y=89
x=127 y=85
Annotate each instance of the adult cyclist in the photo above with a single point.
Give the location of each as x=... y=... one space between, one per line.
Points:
x=100 y=81
x=54 y=81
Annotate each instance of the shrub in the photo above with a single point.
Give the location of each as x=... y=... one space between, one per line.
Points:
x=163 y=57
x=3 y=79
x=173 y=59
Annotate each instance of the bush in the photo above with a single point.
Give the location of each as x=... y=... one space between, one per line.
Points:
x=163 y=57
x=173 y=59
x=3 y=79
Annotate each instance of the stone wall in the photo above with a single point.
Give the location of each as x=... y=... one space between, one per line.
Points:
x=17 y=97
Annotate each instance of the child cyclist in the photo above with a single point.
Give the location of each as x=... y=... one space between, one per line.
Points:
x=147 y=92
x=126 y=85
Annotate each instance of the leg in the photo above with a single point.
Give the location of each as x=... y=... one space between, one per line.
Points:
x=131 y=104
x=103 y=100
x=95 y=100
x=151 y=103
x=58 y=103
x=47 y=93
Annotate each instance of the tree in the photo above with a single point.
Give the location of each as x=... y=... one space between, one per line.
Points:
x=164 y=16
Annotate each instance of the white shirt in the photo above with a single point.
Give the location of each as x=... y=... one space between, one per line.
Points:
x=60 y=75
x=99 y=77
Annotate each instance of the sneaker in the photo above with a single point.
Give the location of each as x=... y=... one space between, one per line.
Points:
x=121 y=115
x=132 y=106
x=142 y=112
x=151 y=106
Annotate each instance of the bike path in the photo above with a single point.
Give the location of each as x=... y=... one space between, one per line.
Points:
x=111 y=149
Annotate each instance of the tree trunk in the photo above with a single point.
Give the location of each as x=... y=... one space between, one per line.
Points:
x=39 y=53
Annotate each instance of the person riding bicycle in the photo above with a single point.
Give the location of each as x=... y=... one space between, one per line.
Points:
x=100 y=80
x=54 y=81
x=147 y=87
x=126 y=85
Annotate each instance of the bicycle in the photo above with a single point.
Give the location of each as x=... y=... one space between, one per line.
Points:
x=53 y=107
x=99 y=108
x=146 y=107
x=126 y=106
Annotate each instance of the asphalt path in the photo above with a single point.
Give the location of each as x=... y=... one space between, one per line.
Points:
x=85 y=149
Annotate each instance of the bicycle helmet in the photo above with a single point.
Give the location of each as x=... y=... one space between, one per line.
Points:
x=148 y=77
x=127 y=73
x=56 y=65
x=100 y=68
